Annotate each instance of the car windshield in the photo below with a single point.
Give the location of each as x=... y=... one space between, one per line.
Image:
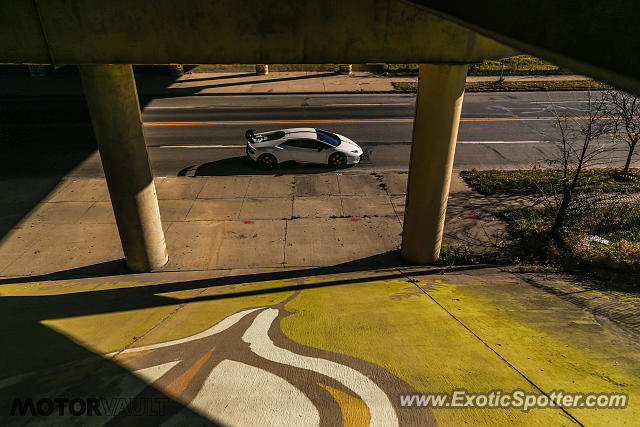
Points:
x=328 y=137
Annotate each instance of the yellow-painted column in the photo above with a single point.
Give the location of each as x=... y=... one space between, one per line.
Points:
x=111 y=95
x=435 y=130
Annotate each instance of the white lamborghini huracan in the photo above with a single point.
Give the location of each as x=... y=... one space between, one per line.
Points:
x=306 y=145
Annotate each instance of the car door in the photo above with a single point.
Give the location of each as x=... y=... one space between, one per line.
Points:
x=302 y=150
x=323 y=151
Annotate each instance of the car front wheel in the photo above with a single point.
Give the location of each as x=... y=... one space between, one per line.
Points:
x=267 y=161
x=337 y=160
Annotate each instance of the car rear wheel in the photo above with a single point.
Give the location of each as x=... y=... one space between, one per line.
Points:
x=267 y=161
x=337 y=160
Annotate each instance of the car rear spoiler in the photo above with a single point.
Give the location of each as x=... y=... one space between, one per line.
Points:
x=250 y=136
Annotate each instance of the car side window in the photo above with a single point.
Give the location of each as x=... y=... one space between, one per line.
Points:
x=310 y=143
x=302 y=143
x=293 y=143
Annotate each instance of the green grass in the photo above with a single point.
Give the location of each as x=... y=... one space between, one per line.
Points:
x=530 y=226
x=516 y=65
x=513 y=66
x=507 y=86
x=620 y=225
x=540 y=181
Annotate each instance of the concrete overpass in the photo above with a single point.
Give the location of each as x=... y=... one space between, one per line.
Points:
x=104 y=37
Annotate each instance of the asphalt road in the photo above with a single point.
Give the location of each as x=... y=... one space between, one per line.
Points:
x=203 y=135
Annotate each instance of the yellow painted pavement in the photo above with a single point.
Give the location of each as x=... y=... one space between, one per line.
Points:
x=445 y=332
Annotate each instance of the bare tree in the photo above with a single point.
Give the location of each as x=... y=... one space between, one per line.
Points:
x=624 y=110
x=581 y=145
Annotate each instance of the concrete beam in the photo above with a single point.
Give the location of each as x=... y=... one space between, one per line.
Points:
x=435 y=130
x=228 y=31
x=112 y=99
x=593 y=37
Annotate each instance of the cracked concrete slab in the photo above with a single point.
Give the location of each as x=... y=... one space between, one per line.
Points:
x=215 y=209
x=306 y=238
x=178 y=188
x=271 y=186
x=367 y=206
x=82 y=190
x=317 y=207
x=316 y=185
x=359 y=185
x=224 y=187
x=265 y=208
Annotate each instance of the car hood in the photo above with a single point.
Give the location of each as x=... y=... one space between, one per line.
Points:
x=348 y=145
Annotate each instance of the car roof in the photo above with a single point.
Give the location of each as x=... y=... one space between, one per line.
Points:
x=300 y=133
x=291 y=133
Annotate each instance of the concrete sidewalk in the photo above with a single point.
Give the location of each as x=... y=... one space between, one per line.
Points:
x=215 y=222
x=284 y=300
x=227 y=222
x=68 y=84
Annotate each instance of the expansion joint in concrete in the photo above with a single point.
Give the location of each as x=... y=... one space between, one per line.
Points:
x=486 y=344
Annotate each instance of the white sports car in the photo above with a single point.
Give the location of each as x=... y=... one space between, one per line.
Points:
x=307 y=145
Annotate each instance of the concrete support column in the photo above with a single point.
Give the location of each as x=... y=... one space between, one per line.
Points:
x=435 y=130
x=111 y=95
x=262 y=69
x=345 y=69
x=37 y=70
x=176 y=69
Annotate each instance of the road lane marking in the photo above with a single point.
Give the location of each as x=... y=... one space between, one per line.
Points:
x=200 y=107
x=197 y=146
x=296 y=121
x=364 y=144
x=307 y=121
x=362 y=105
x=269 y=122
x=503 y=142
x=566 y=102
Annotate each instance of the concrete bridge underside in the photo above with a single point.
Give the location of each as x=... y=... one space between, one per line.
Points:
x=104 y=37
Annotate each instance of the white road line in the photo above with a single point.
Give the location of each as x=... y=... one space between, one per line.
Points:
x=503 y=142
x=171 y=107
x=159 y=107
x=564 y=102
x=197 y=146
x=242 y=146
x=380 y=408
x=362 y=105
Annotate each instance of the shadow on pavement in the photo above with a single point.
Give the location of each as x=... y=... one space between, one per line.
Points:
x=148 y=85
x=226 y=77
x=39 y=361
x=45 y=135
x=118 y=268
x=241 y=165
x=33 y=160
x=103 y=269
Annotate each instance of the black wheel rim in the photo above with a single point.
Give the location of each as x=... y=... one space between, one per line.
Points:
x=267 y=161
x=338 y=160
